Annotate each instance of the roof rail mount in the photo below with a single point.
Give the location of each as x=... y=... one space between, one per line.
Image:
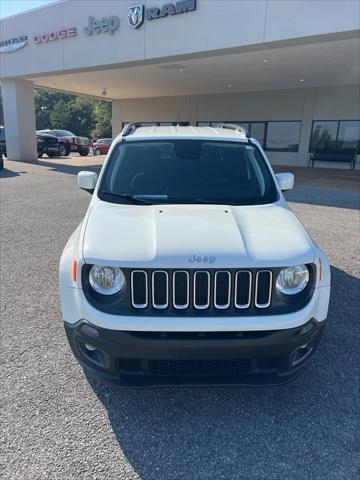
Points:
x=130 y=128
x=234 y=126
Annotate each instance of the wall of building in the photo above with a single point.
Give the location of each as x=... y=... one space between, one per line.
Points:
x=301 y=104
x=237 y=25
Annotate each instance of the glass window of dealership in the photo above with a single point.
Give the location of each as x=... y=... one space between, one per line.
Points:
x=327 y=136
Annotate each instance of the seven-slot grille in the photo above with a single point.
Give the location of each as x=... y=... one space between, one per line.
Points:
x=200 y=289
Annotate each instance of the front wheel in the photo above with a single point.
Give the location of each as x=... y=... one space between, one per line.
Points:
x=64 y=151
x=41 y=153
x=1 y=161
x=84 y=153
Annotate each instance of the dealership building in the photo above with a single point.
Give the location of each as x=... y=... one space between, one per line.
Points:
x=287 y=70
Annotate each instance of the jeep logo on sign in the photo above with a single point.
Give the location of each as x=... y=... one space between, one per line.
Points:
x=136 y=16
x=103 y=25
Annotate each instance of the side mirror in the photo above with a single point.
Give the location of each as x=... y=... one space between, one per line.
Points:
x=285 y=181
x=87 y=180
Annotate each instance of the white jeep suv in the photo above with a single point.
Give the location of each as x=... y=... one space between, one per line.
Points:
x=189 y=267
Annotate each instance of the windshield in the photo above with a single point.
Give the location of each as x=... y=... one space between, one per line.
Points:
x=63 y=133
x=187 y=171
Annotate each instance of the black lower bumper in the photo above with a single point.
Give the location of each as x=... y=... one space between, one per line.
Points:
x=213 y=358
x=51 y=149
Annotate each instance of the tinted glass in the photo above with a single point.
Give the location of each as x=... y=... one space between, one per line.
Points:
x=323 y=136
x=191 y=171
x=63 y=133
x=349 y=135
x=108 y=141
x=283 y=136
x=258 y=131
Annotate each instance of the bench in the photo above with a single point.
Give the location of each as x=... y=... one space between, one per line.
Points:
x=348 y=157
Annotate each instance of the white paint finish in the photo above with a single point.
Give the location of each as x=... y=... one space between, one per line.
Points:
x=298 y=18
x=19 y=119
x=75 y=307
x=87 y=180
x=168 y=236
x=246 y=236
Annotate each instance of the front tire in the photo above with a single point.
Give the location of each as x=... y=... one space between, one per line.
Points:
x=84 y=153
x=64 y=150
x=40 y=154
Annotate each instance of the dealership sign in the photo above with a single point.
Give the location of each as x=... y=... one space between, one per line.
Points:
x=137 y=13
x=103 y=25
x=56 y=35
x=13 y=44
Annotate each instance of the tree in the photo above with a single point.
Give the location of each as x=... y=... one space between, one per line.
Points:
x=102 y=114
x=81 y=115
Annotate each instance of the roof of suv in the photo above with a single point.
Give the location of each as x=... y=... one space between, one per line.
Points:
x=180 y=132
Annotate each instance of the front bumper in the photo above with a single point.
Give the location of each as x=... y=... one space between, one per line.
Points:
x=52 y=149
x=191 y=358
x=74 y=147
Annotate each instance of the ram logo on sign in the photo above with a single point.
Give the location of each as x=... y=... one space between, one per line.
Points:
x=13 y=44
x=137 y=13
x=136 y=16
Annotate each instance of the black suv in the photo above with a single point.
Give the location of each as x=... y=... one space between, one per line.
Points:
x=45 y=144
x=48 y=144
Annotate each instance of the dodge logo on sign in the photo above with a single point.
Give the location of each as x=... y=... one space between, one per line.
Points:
x=136 y=16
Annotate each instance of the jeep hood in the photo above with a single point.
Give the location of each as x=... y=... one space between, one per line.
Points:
x=167 y=236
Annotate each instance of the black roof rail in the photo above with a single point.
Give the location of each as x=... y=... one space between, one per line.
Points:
x=233 y=126
x=130 y=128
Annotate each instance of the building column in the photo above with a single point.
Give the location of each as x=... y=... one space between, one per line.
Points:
x=19 y=119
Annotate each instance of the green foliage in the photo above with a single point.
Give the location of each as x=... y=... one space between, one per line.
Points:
x=81 y=115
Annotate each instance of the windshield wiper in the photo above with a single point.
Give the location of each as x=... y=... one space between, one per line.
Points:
x=126 y=196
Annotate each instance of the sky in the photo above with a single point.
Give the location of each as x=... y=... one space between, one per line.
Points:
x=11 y=7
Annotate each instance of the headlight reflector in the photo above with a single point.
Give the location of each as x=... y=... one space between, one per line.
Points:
x=292 y=280
x=106 y=280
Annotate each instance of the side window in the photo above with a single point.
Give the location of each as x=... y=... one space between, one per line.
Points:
x=335 y=136
x=323 y=137
x=257 y=131
x=349 y=136
x=283 y=136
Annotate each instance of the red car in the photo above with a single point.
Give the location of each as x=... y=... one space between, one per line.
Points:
x=68 y=142
x=101 y=146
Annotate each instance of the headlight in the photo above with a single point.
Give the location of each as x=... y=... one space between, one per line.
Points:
x=292 y=280
x=106 y=280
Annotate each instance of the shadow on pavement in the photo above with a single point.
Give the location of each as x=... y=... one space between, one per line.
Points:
x=299 y=431
x=5 y=173
x=325 y=197
x=69 y=169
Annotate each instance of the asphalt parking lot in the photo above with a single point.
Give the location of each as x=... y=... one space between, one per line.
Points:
x=59 y=424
